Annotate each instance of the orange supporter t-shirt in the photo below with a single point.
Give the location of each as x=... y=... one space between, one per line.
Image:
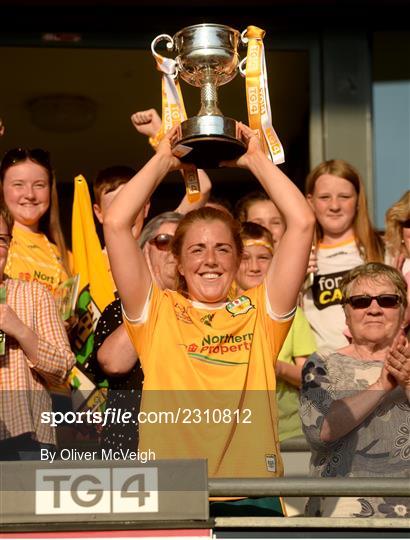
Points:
x=32 y=257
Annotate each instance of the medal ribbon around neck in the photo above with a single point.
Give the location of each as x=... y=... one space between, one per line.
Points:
x=173 y=110
x=257 y=94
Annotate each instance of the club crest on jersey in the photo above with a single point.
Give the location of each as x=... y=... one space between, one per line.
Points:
x=207 y=319
x=240 y=306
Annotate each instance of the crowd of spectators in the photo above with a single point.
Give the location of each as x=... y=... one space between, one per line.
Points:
x=286 y=308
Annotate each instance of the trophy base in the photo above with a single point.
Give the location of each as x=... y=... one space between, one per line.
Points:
x=212 y=139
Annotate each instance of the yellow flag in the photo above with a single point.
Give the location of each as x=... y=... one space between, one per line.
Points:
x=95 y=286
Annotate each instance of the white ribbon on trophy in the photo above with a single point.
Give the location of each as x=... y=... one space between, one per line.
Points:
x=173 y=110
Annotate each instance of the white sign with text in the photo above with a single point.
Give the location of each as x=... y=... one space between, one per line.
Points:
x=96 y=490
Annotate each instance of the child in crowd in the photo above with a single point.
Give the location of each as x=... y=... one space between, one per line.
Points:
x=258 y=253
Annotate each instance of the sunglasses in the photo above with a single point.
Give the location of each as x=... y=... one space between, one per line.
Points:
x=22 y=154
x=162 y=241
x=406 y=224
x=362 y=301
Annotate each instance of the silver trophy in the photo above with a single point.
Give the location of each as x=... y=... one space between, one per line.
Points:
x=207 y=58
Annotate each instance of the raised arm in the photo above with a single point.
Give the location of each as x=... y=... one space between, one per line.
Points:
x=205 y=183
x=287 y=271
x=127 y=261
x=148 y=123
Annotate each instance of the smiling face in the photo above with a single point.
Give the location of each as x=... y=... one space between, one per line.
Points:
x=265 y=213
x=334 y=201
x=26 y=190
x=162 y=262
x=254 y=265
x=208 y=261
x=373 y=325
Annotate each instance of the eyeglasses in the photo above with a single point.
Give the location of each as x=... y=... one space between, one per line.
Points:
x=22 y=154
x=162 y=241
x=5 y=240
x=362 y=301
x=406 y=224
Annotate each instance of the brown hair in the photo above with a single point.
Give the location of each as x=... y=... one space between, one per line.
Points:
x=110 y=179
x=49 y=223
x=208 y=214
x=395 y=216
x=366 y=237
x=243 y=205
x=378 y=272
x=5 y=214
x=254 y=231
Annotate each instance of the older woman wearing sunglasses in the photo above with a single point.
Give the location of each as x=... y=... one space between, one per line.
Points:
x=115 y=354
x=113 y=348
x=355 y=404
x=155 y=241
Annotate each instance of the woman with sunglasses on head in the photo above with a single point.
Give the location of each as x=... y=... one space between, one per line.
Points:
x=397 y=239
x=200 y=353
x=355 y=402
x=38 y=251
x=345 y=238
x=35 y=352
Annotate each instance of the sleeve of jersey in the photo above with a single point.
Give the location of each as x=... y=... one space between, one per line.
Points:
x=142 y=330
x=277 y=326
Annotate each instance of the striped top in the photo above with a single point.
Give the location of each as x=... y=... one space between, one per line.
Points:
x=23 y=395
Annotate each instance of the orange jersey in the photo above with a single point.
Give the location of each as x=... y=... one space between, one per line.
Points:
x=213 y=372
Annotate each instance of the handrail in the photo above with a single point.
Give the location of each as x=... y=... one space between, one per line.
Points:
x=292 y=524
x=312 y=487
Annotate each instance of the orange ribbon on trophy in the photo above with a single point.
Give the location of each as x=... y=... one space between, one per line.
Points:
x=257 y=94
x=173 y=113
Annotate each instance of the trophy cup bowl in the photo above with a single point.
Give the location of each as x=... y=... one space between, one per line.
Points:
x=208 y=58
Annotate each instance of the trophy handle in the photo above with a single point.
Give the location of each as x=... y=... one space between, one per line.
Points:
x=242 y=67
x=170 y=45
x=244 y=39
x=242 y=63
